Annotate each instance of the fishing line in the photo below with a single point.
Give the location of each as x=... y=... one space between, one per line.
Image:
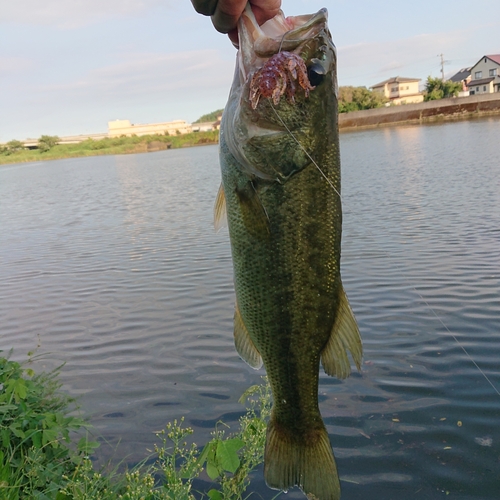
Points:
x=388 y=255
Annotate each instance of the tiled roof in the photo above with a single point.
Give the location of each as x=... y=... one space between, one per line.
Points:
x=494 y=57
x=461 y=75
x=396 y=79
x=480 y=82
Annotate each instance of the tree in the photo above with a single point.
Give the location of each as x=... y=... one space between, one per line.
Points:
x=357 y=98
x=436 y=88
x=47 y=142
x=210 y=117
x=12 y=147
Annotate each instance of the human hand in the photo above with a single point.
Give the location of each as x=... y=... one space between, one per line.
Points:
x=225 y=13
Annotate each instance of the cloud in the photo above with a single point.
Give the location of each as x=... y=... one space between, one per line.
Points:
x=73 y=13
x=147 y=74
x=404 y=57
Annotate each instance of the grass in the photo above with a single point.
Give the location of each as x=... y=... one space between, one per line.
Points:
x=40 y=457
x=109 y=146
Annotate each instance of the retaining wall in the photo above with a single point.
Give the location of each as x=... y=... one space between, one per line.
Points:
x=442 y=109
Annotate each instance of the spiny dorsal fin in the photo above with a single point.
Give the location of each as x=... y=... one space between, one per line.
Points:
x=220 y=213
x=345 y=336
x=244 y=345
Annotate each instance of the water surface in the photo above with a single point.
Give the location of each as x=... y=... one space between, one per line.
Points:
x=111 y=265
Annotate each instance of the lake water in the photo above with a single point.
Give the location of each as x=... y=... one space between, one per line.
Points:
x=111 y=265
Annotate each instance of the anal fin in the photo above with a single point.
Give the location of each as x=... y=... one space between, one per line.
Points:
x=244 y=345
x=344 y=337
x=220 y=210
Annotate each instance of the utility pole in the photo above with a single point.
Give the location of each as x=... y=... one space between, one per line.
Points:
x=442 y=66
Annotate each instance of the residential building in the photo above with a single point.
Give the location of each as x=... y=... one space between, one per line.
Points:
x=464 y=76
x=485 y=75
x=117 y=128
x=400 y=90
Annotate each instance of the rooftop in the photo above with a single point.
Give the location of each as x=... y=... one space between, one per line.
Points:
x=396 y=79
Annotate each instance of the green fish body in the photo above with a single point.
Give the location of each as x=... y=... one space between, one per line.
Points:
x=279 y=154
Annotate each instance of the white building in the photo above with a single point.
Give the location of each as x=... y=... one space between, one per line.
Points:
x=400 y=90
x=117 y=128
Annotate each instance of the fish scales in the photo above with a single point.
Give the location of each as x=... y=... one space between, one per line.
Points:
x=280 y=167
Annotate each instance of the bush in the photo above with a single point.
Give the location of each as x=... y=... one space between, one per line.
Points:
x=12 y=147
x=47 y=142
x=34 y=431
x=436 y=88
x=357 y=98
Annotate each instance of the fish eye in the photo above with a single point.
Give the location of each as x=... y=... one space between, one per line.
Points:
x=315 y=73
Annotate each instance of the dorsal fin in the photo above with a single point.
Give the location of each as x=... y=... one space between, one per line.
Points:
x=344 y=337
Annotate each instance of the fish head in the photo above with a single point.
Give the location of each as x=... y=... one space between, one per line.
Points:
x=284 y=94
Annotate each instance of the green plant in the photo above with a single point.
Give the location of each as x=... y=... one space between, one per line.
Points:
x=231 y=459
x=436 y=88
x=34 y=431
x=39 y=460
x=358 y=98
x=12 y=147
x=47 y=142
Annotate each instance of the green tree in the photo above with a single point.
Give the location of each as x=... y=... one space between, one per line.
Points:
x=47 y=142
x=357 y=98
x=210 y=117
x=12 y=147
x=436 y=88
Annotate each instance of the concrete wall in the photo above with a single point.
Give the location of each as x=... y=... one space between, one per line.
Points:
x=453 y=108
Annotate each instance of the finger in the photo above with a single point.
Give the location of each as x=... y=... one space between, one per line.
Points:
x=265 y=9
x=205 y=7
x=227 y=13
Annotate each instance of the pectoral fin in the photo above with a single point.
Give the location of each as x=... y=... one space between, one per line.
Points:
x=244 y=345
x=220 y=211
x=344 y=337
x=253 y=214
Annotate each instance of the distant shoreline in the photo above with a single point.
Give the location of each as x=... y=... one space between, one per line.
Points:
x=443 y=110
x=112 y=146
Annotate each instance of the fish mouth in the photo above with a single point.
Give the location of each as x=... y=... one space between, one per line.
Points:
x=259 y=43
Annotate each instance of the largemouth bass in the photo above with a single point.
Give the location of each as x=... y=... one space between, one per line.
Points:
x=279 y=155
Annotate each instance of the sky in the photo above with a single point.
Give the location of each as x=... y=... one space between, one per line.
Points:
x=70 y=66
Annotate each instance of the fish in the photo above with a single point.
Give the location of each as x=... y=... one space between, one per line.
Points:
x=280 y=198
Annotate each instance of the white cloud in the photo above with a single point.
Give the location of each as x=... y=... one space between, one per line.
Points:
x=143 y=76
x=381 y=60
x=72 y=13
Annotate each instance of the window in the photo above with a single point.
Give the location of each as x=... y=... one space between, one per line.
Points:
x=493 y=72
x=478 y=74
x=394 y=89
x=484 y=88
x=477 y=89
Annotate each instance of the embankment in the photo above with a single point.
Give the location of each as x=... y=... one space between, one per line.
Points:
x=456 y=108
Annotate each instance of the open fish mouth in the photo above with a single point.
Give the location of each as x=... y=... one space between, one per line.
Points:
x=259 y=43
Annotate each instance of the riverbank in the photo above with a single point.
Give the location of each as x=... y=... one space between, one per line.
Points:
x=112 y=146
x=456 y=108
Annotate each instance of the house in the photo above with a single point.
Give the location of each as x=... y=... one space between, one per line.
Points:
x=464 y=76
x=485 y=75
x=400 y=90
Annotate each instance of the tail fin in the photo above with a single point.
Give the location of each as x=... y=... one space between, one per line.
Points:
x=307 y=462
